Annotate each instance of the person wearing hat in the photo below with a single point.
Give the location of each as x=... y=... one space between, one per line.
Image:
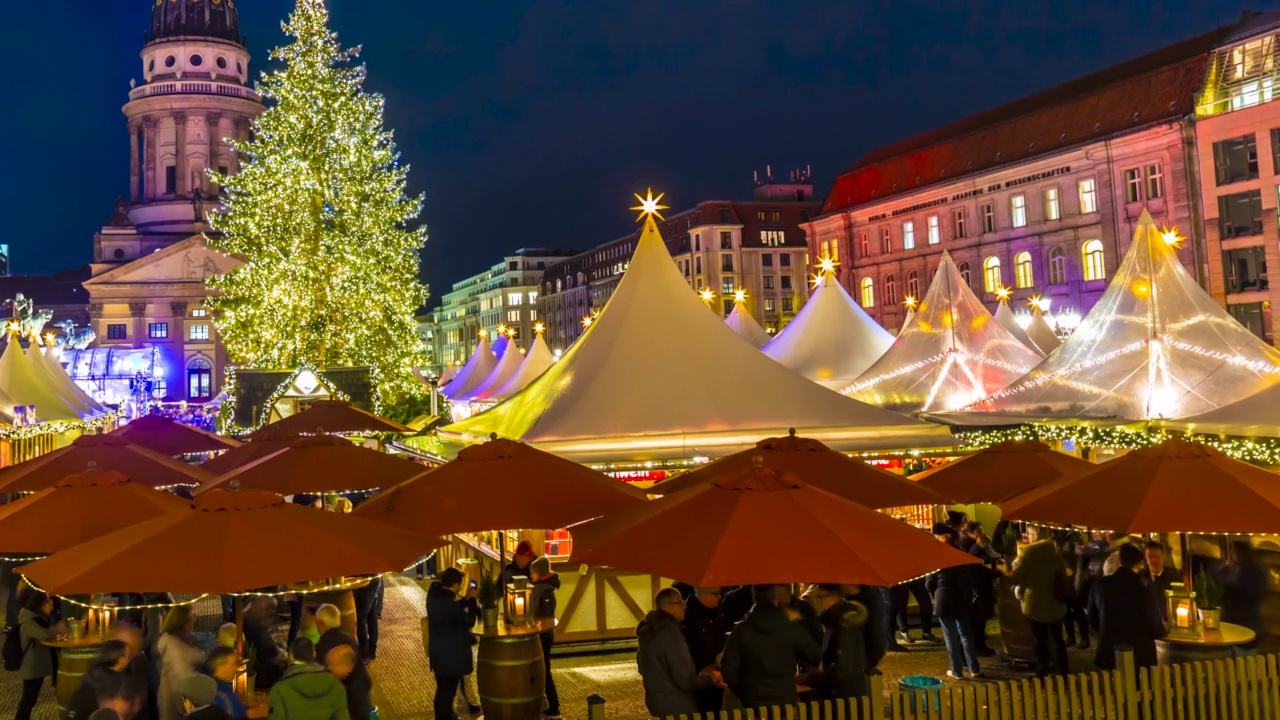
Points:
x=519 y=565
x=545 y=584
x=954 y=600
x=307 y=691
x=198 y=692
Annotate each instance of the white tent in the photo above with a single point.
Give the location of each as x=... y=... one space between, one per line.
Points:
x=536 y=362
x=1253 y=417
x=953 y=353
x=1006 y=318
x=507 y=366
x=50 y=372
x=656 y=376
x=906 y=321
x=831 y=340
x=474 y=372
x=20 y=384
x=1154 y=346
x=1041 y=334
x=741 y=322
x=447 y=375
x=500 y=345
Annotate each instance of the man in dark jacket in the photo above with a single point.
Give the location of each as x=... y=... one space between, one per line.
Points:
x=1159 y=575
x=762 y=653
x=851 y=645
x=736 y=603
x=449 y=622
x=670 y=675
x=307 y=691
x=808 y=616
x=545 y=584
x=112 y=663
x=954 y=600
x=358 y=684
x=1124 y=611
x=705 y=631
x=270 y=658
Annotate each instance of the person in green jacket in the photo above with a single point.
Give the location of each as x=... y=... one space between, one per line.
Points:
x=307 y=691
x=1041 y=581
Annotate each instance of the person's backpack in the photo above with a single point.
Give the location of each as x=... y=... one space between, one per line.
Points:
x=13 y=650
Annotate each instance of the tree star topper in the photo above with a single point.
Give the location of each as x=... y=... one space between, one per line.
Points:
x=650 y=205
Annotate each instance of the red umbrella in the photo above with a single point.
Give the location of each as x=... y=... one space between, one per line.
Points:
x=759 y=525
x=1000 y=472
x=319 y=464
x=171 y=437
x=332 y=416
x=246 y=453
x=105 y=452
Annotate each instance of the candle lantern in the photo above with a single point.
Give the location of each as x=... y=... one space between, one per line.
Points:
x=519 y=601
x=1181 y=608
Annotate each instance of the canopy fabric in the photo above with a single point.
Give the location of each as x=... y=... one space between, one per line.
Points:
x=246 y=453
x=741 y=322
x=447 y=376
x=1006 y=318
x=170 y=437
x=78 y=509
x=506 y=368
x=536 y=362
x=103 y=452
x=474 y=372
x=1154 y=346
x=1176 y=486
x=51 y=372
x=818 y=466
x=906 y=321
x=1041 y=334
x=229 y=542
x=1255 y=416
x=500 y=345
x=500 y=484
x=329 y=416
x=22 y=386
x=831 y=340
x=1000 y=472
x=611 y=397
x=760 y=525
x=318 y=464
x=953 y=353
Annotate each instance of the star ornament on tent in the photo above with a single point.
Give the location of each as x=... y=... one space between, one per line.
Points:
x=1003 y=293
x=706 y=295
x=1171 y=237
x=539 y=328
x=739 y=296
x=650 y=205
x=910 y=302
x=1039 y=303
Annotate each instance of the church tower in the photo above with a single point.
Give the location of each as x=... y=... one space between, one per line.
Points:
x=195 y=94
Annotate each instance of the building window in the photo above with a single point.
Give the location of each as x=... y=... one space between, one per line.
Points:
x=727 y=286
x=862 y=243
x=868 y=292
x=770 y=305
x=835 y=250
x=908 y=235
x=913 y=284
x=1018 y=210
x=697 y=242
x=159 y=389
x=116 y=332
x=957 y=223
x=890 y=291
x=1088 y=196
x=515 y=298
x=824 y=249
x=766 y=260
x=1095 y=266
x=198 y=332
x=991 y=280
x=513 y=316
x=200 y=312
x=727 y=306
x=773 y=238
x=726 y=262
x=784 y=259
x=1052 y=209
x=788 y=305
x=886 y=241
x=1240 y=214
x=158 y=331
x=533 y=296
x=170 y=179
x=1133 y=185
x=760 y=215
x=1057 y=266
x=935 y=232
x=777 y=216
x=1023 y=274
x=768 y=282
x=1237 y=159
x=1251 y=316
x=199 y=380
x=1245 y=269
x=724 y=216
x=726 y=240
x=1155 y=180
x=697 y=265
x=786 y=282
x=964 y=273
x=988 y=218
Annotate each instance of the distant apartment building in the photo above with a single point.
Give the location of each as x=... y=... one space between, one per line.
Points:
x=505 y=295
x=722 y=245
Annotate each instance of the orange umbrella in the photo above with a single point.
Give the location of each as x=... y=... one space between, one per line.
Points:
x=246 y=453
x=500 y=484
x=318 y=464
x=333 y=416
x=79 y=508
x=106 y=452
x=1176 y=486
x=171 y=437
x=231 y=542
x=999 y=472
x=759 y=525
x=819 y=466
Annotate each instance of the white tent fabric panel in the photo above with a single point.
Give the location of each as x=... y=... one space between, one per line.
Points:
x=507 y=366
x=22 y=386
x=50 y=371
x=482 y=362
x=1041 y=334
x=1005 y=316
x=536 y=362
x=741 y=322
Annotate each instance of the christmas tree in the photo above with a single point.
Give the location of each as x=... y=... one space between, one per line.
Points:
x=320 y=214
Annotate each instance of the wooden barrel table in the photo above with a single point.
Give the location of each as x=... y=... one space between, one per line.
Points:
x=1211 y=645
x=509 y=671
x=75 y=658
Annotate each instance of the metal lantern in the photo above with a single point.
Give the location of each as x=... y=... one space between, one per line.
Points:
x=1181 y=608
x=520 y=601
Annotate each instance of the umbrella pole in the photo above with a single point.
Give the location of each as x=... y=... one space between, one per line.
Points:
x=239 y=603
x=502 y=570
x=1187 y=577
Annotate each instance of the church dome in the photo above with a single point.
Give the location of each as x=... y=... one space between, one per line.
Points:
x=195 y=18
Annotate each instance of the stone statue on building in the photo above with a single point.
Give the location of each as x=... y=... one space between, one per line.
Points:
x=120 y=216
x=197 y=200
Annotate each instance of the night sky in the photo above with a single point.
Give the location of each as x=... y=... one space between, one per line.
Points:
x=529 y=124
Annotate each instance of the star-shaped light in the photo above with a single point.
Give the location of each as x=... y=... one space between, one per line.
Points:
x=483 y=333
x=1171 y=237
x=50 y=338
x=14 y=326
x=511 y=332
x=586 y=321
x=1039 y=303
x=650 y=205
x=706 y=295
x=502 y=329
x=827 y=266
x=910 y=302
x=539 y=327
x=1003 y=293
x=739 y=296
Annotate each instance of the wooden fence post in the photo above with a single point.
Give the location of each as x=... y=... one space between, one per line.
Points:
x=1129 y=685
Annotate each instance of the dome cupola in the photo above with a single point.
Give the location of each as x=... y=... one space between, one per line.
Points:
x=215 y=19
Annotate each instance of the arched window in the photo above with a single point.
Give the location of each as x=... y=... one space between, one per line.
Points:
x=991 y=280
x=1057 y=266
x=1095 y=261
x=868 y=292
x=199 y=380
x=890 y=291
x=964 y=273
x=1023 y=275
x=913 y=284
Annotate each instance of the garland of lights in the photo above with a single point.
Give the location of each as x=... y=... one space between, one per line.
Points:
x=90 y=425
x=1259 y=451
x=228 y=420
